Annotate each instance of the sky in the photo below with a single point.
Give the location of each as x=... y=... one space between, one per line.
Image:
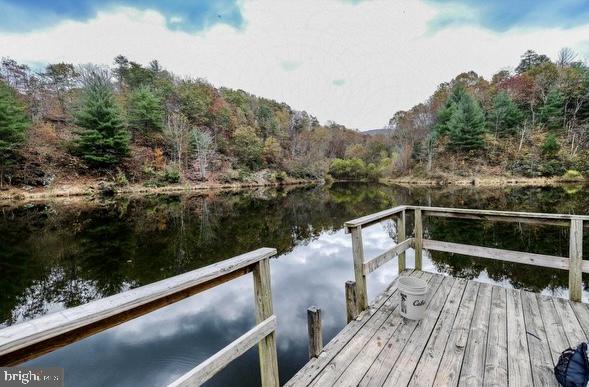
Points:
x=355 y=62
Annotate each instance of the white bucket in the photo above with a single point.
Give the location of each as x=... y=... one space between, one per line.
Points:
x=413 y=292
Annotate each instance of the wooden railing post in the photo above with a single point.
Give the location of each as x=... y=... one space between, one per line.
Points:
x=358 y=252
x=418 y=239
x=267 y=346
x=314 y=329
x=576 y=262
x=400 y=238
x=351 y=301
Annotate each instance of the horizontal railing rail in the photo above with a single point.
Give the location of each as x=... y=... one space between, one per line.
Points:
x=388 y=255
x=33 y=338
x=356 y=291
x=501 y=216
x=207 y=369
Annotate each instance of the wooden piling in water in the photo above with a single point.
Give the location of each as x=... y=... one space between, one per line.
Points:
x=351 y=301
x=314 y=329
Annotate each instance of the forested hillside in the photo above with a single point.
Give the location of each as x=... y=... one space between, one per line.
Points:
x=142 y=125
x=134 y=124
x=531 y=122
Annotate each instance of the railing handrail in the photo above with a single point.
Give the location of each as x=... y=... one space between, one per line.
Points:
x=371 y=219
x=377 y=217
x=33 y=338
x=574 y=263
x=520 y=214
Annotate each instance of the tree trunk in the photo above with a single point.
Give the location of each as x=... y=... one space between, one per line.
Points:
x=521 y=141
x=202 y=161
x=573 y=143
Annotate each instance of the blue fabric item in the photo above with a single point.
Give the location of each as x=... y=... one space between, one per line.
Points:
x=572 y=369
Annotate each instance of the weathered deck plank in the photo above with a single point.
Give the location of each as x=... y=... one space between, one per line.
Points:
x=449 y=368
x=434 y=343
x=519 y=367
x=557 y=340
x=582 y=313
x=473 y=334
x=496 y=357
x=570 y=323
x=379 y=370
x=405 y=365
x=538 y=346
x=352 y=374
x=473 y=366
x=432 y=355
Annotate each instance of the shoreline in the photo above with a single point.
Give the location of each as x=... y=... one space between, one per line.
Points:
x=89 y=191
x=483 y=181
x=93 y=190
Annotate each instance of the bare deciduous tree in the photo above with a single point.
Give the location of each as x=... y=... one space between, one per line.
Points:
x=177 y=132
x=566 y=57
x=203 y=147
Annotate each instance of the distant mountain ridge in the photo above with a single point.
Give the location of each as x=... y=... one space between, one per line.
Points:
x=377 y=132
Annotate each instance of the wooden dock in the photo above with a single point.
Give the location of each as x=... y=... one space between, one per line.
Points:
x=473 y=334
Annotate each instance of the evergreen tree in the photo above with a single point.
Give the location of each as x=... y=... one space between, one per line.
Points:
x=13 y=124
x=467 y=125
x=505 y=115
x=145 y=110
x=454 y=98
x=104 y=141
x=550 y=147
x=551 y=113
x=529 y=60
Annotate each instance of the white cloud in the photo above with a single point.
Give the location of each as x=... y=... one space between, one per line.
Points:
x=355 y=64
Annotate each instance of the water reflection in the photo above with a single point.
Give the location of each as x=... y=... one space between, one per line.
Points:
x=60 y=255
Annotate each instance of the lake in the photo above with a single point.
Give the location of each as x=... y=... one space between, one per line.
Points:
x=56 y=255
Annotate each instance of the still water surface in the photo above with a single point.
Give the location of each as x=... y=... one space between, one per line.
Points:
x=59 y=255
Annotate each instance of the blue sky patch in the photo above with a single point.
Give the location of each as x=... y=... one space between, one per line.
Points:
x=338 y=82
x=183 y=15
x=502 y=15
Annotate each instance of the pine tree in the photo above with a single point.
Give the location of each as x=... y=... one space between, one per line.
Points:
x=104 y=141
x=13 y=124
x=550 y=147
x=529 y=60
x=552 y=112
x=505 y=115
x=467 y=125
x=454 y=98
x=145 y=110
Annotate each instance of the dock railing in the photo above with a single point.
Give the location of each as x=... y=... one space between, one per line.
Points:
x=33 y=338
x=356 y=294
